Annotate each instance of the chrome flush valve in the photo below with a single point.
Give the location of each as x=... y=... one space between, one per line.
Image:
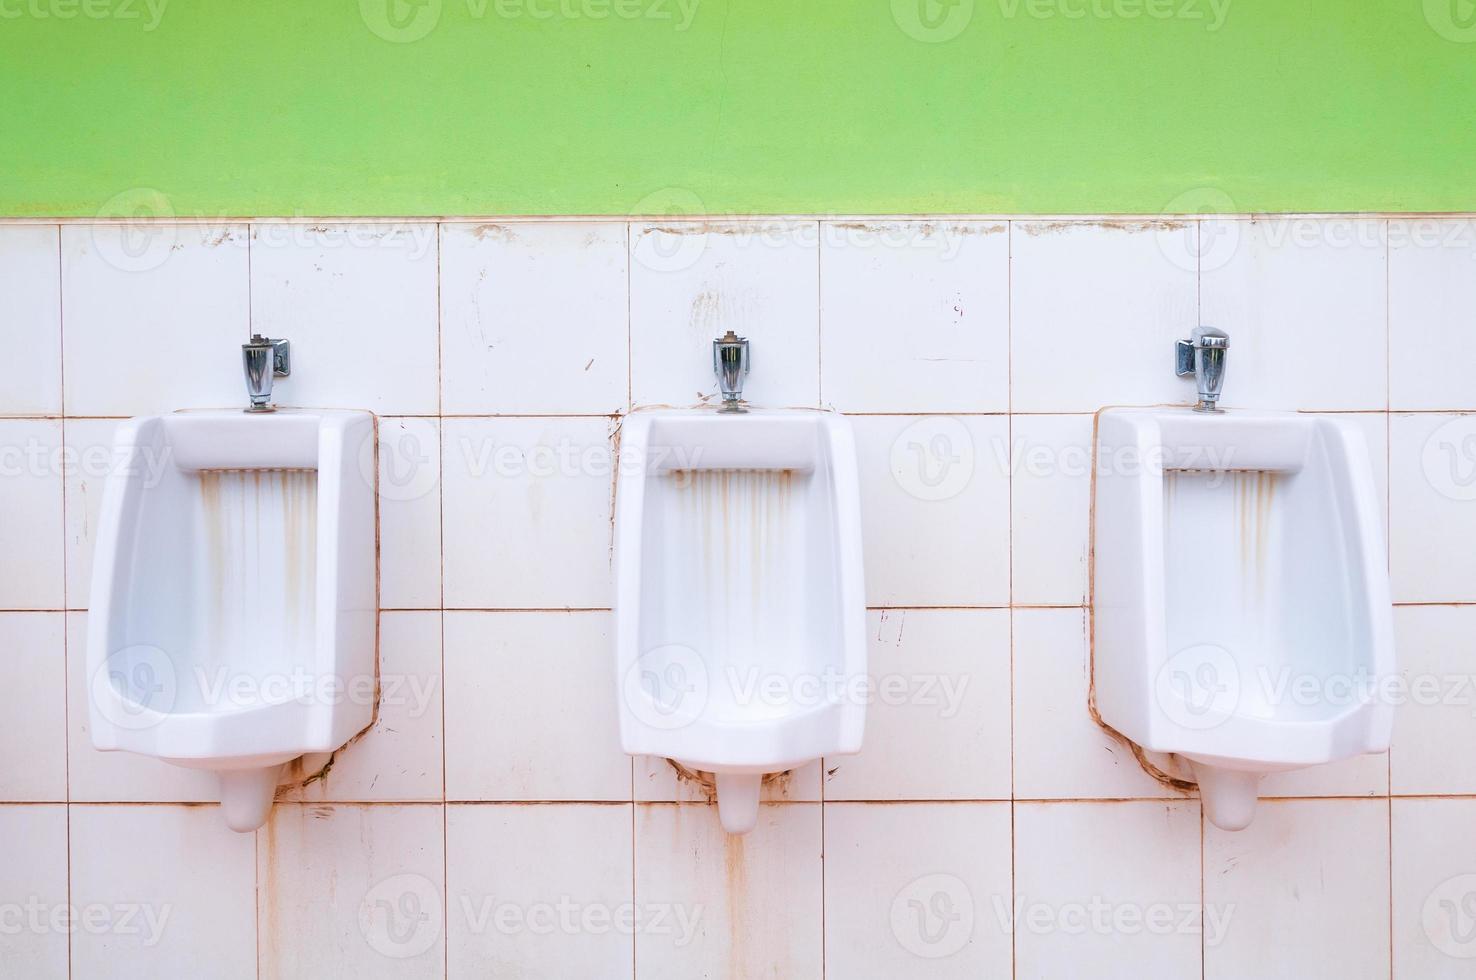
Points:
x=730 y=361
x=262 y=360
x=1203 y=357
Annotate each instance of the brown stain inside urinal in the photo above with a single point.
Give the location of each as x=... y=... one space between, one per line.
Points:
x=1255 y=497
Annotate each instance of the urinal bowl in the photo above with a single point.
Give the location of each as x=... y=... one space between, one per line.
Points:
x=1241 y=613
x=740 y=613
x=232 y=624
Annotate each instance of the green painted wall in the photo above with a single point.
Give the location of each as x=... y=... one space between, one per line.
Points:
x=345 y=107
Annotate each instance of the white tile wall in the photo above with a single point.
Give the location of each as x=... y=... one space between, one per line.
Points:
x=490 y=794
x=914 y=316
x=31 y=514
x=172 y=888
x=30 y=281
x=1291 y=293
x=1305 y=889
x=34 y=879
x=359 y=297
x=533 y=318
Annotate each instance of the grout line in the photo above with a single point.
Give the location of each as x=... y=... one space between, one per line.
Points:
x=910 y=801
x=1388 y=516
x=441 y=599
x=820 y=341
x=914 y=414
x=756 y=219
x=1199 y=318
x=629 y=331
x=66 y=631
x=255 y=836
x=1010 y=547
x=1410 y=604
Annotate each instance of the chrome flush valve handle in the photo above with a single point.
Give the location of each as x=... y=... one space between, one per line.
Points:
x=730 y=361
x=262 y=360
x=1203 y=357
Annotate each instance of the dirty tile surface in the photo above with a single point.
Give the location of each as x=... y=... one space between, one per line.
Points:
x=487 y=823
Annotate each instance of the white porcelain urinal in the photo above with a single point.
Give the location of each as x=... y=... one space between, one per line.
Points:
x=1241 y=614
x=232 y=625
x=740 y=613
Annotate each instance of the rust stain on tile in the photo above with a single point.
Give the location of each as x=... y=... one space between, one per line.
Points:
x=495 y=232
x=1037 y=228
x=705 y=783
x=735 y=871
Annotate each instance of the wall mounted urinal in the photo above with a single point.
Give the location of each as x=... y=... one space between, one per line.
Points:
x=1241 y=614
x=739 y=611
x=232 y=624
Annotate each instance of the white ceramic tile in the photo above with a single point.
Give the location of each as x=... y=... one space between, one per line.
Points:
x=756 y=899
x=1060 y=751
x=31 y=465
x=1432 y=507
x=1434 y=889
x=921 y=890
x=534 y=318
x=33 y=728
x=1051 y=508
x=30 y=281
x=90 y=451
x=1095 y=309
x=1437 y=700
x=1306 y=891
x=938 y=709
x=118 y=777
x=543 y=891
x=1107 y=890
x=351 y=891
x=358 y=303
x=935 y=509
x=1361 y=775
x=658 y=780
x=33 y=889
x=1288 y=290
x=1432 y=298
x=409 y=513
x=399 y=757
x=527 y=503
x=915 y=316
x=692 y=281
x=154 y=317
x=178 y=887
x=530 y=708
